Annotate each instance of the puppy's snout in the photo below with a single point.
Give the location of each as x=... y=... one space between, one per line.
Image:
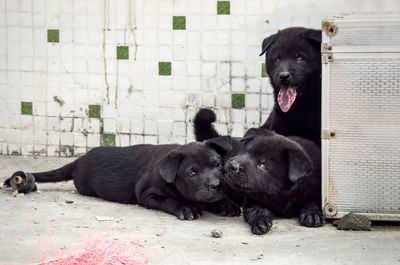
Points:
x=235 y=166
x=284 y=76
x=215 y=184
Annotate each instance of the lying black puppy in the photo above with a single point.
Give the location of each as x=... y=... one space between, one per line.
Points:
x=293 y=63
x=275 y=175
x=280 y=176
x=177 y=179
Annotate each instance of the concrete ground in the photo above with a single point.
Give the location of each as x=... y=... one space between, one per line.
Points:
x=166 y=239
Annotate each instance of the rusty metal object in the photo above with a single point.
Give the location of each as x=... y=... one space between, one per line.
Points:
x=23 y=182
x=330 y=210
x=326 y=134
x=327 y=58
x=330 y=28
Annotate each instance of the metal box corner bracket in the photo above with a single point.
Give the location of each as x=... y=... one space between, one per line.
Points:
x=361 y=116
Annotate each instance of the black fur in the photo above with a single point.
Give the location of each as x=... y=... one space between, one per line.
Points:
x=202 y=125
x=295 y=51
x=177 y=179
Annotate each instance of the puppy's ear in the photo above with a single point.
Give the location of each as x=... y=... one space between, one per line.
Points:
x=253 y=132
x=167 y=166
x=267 y=42
x=221 y=144
x=313 y=35
x=299 y=162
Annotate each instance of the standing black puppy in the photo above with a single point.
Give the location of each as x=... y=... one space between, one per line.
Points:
x=293 y=63
x=177 y=179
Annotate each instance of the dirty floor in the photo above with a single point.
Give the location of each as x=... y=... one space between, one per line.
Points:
x=166 y=239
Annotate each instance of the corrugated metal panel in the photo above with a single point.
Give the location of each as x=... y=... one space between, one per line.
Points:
x=361 y=171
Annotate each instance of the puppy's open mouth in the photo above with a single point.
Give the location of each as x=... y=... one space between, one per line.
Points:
x=286 y=97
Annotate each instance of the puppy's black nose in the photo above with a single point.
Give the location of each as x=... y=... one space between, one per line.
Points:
x=235 y=166
x=284 y=76
x=215 y=184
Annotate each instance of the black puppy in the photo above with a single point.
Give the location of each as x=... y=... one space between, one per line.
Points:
x=177 y=179
x=275 y=175
x=293 y=63
x=281 y=176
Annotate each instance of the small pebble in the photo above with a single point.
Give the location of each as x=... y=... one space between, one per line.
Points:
x=39 y=191
x=216 y=233
x=69 y=202
x=104 y=218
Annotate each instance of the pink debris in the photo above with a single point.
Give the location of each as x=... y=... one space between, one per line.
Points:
x=101 y=250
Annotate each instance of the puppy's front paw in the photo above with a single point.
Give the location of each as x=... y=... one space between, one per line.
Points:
x=261 y=226
x=188 y=212
x=312 y=218
x=224 y=207
x=259 y=219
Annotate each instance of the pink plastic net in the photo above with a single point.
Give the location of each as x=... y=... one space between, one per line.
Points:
x=100 y=249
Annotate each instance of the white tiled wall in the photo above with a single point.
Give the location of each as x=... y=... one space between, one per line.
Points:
x=214 y=57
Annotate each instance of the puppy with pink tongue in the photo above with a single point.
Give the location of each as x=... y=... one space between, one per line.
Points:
x=293 y=64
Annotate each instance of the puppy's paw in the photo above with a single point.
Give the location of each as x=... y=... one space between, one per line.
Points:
x=259 y=219
x=312 y=218
x=261 y=226
x=224 y=207
x=188 y=212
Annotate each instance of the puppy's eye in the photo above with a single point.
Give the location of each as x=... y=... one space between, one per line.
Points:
x=193 y=172
x=264 y=166
x=299 y=58
x=216 y=164
x=276 y=59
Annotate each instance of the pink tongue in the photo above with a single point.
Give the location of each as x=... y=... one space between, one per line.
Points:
x=286 y=98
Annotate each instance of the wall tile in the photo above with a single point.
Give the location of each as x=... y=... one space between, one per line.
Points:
x=53 y=35
x=223 y=7
x=108 y=139
x=161 y=65
x=179 y=23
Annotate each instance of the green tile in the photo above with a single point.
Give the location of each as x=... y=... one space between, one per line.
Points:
x=53 y=35
x=26 y=108
x=263 y=71
x=109 y=139
x=179 y=22
x=237 y=101
x=223 y=7
x=122 y=52
x=94 y=111
x=164 y=68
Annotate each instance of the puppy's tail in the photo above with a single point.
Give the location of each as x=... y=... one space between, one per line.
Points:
x=62 y=174
x=202 y=125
